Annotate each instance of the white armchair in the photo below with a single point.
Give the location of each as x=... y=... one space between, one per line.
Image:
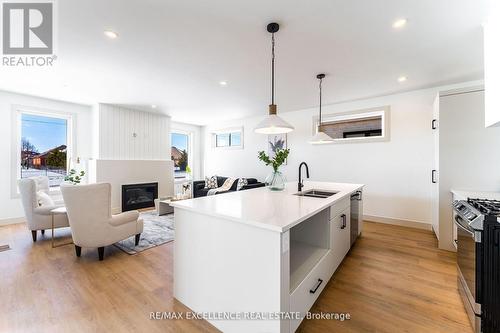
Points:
x=38 y=217
x=92 y=225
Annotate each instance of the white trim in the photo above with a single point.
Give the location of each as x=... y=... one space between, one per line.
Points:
x=16 y=111
x=383 y=111
x=459 y=91
x=12 y=220
x=400 y=222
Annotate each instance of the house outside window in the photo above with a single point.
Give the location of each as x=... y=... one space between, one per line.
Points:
x=180 y=153
x=44 y=147
x=369 y=125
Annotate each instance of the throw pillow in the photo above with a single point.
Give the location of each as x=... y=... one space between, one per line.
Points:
x=44 y=199
x=211 y=182
x=241 y=182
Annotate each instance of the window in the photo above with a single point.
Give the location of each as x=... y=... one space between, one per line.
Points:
x=229 y=138
x=180 y=153
x=356 y=126
x=44 y=146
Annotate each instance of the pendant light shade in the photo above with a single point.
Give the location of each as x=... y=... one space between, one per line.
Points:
x=273 y=124
x=320 y=137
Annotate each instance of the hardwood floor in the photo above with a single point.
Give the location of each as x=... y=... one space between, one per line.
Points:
x=393 y=280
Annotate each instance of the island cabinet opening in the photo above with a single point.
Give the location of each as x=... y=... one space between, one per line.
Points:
x=309 y=243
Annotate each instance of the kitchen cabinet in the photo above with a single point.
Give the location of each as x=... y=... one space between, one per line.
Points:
x=334 y=228
x=341 y=239
x=435 y=167
x=491 y=30
x=463 y=154
x=259 y=251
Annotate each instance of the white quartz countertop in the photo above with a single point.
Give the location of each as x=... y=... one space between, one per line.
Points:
x=260 y=207
x=465 y=194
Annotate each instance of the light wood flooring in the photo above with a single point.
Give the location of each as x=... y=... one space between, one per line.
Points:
x=393 y=280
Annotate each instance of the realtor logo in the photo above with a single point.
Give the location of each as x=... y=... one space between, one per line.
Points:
x=28 y=28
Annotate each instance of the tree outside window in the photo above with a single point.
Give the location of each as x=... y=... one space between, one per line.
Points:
x=180 y=153
x=44 y=147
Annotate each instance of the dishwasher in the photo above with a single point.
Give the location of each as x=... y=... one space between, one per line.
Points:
x=356 y=215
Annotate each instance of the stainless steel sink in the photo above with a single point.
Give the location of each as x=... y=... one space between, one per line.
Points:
x=316 y=193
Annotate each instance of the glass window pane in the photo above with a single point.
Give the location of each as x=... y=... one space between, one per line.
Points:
x=236 y=139
x=179 y=153
x=222 y=140
x=44 y=147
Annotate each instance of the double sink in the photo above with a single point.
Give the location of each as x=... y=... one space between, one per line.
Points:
x=314 y=193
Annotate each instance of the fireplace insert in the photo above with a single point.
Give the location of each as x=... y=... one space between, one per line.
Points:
x=137 y=196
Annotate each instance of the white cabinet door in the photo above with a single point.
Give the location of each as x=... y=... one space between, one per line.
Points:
x=435 y=167
x=340 y=237
x=492 y=67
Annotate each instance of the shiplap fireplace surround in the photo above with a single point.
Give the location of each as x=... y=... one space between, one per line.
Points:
x=130 y=147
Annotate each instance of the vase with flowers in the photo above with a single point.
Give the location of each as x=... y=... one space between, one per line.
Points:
x=276 y=180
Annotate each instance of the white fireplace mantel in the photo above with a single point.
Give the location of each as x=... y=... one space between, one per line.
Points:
x=123 y=172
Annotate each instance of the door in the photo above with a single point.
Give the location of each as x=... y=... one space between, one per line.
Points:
x=341 y=236
x=434 y=172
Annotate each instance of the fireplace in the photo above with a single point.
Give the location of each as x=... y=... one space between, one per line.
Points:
x=136 y=196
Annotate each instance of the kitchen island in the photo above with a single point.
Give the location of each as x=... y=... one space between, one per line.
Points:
x=256 y=260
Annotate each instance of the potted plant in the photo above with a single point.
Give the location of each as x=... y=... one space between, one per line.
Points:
x=275 y=181
x=73 y=177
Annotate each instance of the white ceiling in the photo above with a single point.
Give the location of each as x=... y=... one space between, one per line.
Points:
x=173 y=53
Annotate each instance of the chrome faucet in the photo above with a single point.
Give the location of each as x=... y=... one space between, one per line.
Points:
x=301 y=182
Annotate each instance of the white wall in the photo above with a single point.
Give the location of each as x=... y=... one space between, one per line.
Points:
x=396 y=173
x=128 y=134
x=10 y=207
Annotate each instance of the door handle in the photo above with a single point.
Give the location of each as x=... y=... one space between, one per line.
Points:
x=344 y=221
x=433 y=176
x=434 y=124
x=312 y=291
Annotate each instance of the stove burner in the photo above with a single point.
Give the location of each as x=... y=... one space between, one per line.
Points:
x=485 y=206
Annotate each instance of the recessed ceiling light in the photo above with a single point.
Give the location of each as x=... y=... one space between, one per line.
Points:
x=223 y=83
x=153 y=106
x=110 y=34
x=399 y=23
x=402 y=79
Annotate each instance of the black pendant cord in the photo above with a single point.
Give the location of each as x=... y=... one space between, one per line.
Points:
x=272 y=69
x=320 y=83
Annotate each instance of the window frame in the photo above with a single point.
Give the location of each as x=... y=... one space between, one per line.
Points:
x=189 y=151
x=229 y=131
x=16 y=119
x=383 y=111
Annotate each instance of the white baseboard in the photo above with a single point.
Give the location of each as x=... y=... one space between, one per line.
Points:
x=403 y=223
x=435 y=233
x=13 y=220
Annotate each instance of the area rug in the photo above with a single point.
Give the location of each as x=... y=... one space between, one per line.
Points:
x=157 y=230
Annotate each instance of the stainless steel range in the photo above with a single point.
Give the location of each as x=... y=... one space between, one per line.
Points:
x=478 y=261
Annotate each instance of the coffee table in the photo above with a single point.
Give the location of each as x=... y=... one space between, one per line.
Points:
x=163 y=205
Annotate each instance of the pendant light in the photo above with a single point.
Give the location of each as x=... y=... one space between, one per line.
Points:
x=273 y=124
x=320 y=137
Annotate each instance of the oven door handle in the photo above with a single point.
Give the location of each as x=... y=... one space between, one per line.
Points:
x=457 y=222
